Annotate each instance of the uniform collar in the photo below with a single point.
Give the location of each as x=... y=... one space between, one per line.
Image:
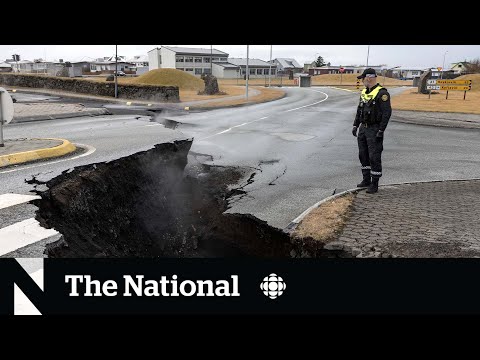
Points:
x=372 y=88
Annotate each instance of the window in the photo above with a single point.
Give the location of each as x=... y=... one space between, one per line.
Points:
x=216 y=59
x=259 y=71
x=273 y=72
x=206 y=70
x=244 y=71
x=252 y=71
x=265 y=71
x=206 y=59
x=179 y=58
x=198 y=59
x=198 y=71
x=189 y=59
x=189 y=69
x=93 y=67
x=181 y=69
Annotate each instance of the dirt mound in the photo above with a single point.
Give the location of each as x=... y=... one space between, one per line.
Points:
x=170 y=77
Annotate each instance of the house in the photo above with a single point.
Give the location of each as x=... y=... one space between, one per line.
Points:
x=4 y=67
x=287 y=66
x=460 y=68
x=140 y=64
x=405 y=73
x=308 y=66
x=108 y=67
x=226 y=70
x=322 y=70
x=256 y=68
x=195 y=61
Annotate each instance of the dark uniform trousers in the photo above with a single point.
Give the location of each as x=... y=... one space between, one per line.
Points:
x=370 y=150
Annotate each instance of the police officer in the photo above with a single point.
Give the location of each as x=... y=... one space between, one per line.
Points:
x=373 y=114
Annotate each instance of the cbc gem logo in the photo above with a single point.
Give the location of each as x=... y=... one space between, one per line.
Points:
x=273 y=286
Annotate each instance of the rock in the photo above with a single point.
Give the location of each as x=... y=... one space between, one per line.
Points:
x=422 y=85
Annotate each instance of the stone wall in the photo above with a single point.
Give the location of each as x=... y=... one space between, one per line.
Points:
x=125 y=91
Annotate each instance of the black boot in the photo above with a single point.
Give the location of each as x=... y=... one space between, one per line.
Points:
x=365 y=182
x=373 y=188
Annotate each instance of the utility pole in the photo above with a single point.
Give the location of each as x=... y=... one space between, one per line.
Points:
x=270 y=71
x=246 y=76
x=211 y=59
x=2 y=144
x=443 y=66
x=116 y=72
x=368 y=54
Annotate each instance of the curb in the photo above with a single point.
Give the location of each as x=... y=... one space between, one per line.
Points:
x=21 y=119
x=293 y=225
x=22 y=157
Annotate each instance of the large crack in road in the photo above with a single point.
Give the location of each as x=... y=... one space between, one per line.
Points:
x=151 y=204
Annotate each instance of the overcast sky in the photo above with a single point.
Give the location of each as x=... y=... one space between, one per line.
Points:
x=391 y=55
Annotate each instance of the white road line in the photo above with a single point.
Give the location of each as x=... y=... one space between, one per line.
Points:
x=90 y=151
x=7 y=200
x=22 y=305
x=265 y=117
x=21 y=234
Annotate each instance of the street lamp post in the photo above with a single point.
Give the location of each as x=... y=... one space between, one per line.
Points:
x=246 y=77
x=116 y=72
x=270 y=71
x=443 y=66
x=368 y=54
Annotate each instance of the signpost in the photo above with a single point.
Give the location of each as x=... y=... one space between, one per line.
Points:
x=6 y=111
x=459 y=85
x=341 y=72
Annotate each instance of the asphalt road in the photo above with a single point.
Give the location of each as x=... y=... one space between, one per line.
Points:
x=300 y=147
x=304 y=151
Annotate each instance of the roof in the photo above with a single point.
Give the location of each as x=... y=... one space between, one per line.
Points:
x=226 y=65
x=138 y=58
x=195 y=51
x=251 y=62
x=288 y=62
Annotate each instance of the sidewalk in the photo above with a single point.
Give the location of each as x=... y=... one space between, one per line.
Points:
x=19 y=151
x=415 y=220
x=46 y=111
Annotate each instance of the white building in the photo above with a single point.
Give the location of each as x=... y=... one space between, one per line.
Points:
x=194 y=61
x=256 y=68
x=140 y=64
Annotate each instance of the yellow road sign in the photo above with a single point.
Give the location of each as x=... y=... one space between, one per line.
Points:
x=456 y=82
x=462 y=88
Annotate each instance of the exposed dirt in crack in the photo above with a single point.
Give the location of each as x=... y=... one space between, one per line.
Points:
x=151 y=204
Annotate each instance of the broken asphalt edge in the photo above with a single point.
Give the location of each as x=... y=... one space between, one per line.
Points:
x=27 y=156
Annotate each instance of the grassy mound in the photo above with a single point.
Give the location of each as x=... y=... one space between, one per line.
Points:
x=475 y=80
x=170 y=77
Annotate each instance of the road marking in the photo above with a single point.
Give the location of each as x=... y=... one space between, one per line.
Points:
x=7 y=200
x=90 y=151
x=21 y=234
x=265 y=117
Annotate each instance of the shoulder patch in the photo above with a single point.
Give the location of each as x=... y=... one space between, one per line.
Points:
x=385 y=97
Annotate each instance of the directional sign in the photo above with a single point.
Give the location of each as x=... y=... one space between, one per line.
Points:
x=431 y=82
x=439 y=87
x=6 y=106
x=462 y=88
x=456 y=82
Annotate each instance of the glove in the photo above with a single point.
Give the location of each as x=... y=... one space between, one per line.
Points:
x=380 y=134
x=354 y=131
